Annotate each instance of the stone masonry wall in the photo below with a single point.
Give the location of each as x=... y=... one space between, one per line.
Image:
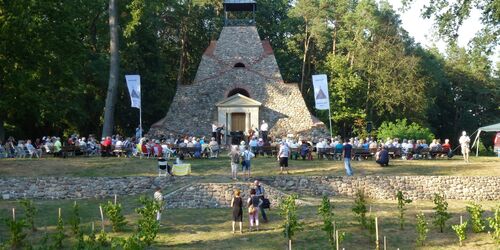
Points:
x=385 y=187
x=193 y=109
x=194 y=194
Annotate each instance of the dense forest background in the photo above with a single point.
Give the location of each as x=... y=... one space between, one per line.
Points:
x=54 y=62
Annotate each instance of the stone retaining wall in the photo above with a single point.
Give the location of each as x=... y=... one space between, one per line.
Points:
x=385 y=187
x=80 y=187
x=213 y=195
x=195 y=194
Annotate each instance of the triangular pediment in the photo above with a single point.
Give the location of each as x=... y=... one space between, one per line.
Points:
x=238 y=100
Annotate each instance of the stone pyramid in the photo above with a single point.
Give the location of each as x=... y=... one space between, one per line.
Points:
x=238 y=63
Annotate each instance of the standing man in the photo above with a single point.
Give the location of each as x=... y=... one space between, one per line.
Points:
x=283 y=155
x=138 y=133
x=158 y=196
x=346 y=154
x=464 y=144
x=234 y=155
x=247 y=156
x=219 y=134
x=260 y=192
x=264 y=129
x=214 y=130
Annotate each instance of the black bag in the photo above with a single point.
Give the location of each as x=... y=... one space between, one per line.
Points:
x=235 y=158
x=266 y=203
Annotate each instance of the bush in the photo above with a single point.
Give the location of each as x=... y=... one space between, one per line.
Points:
x=74 y=220
x=288 y=210
x=494 y=222
x=401 y=129
x=17 y=235
x=114 y=213
x=329 y=226
x=422 y=229
x=476 y=217
x=460 y=231
x=148 y=226
x=31 y=212
x=441 y=215
x=359 y=208
x=401 y=207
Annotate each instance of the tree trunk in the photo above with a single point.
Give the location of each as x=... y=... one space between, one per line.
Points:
x=304 y=61
x=109 y=109
x=2 y=131
x=334 y=38
x=181 y=72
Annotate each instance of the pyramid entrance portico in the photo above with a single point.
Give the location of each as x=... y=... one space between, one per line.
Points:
x=238 y=113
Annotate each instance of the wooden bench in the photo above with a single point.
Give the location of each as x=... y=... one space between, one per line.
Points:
x=394 y=152
x=70 y=150
x=268 y=150
x=362 y=153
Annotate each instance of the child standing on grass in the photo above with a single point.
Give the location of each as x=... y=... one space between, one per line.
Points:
x=158 y=196
x=237 y=205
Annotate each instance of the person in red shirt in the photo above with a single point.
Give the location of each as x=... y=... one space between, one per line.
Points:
x=497 y=143
x=447 y=148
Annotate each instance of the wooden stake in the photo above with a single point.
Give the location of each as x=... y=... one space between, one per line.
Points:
x=289 y=244
x=335 y=230
x=14 y=214
x=115 y=199
x=460 y=219
x=59 y=214
x=93 y=227
x=337 y=238
x=376 y=234
x=385 y=243
x=102 y=218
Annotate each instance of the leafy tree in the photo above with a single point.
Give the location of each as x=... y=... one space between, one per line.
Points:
x=401 y=207
x=401 y=129
x=494 y=223
x=329 y=226
x=148 y=226
x=291 y=224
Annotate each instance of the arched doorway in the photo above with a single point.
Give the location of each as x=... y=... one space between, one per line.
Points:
x=238 y=91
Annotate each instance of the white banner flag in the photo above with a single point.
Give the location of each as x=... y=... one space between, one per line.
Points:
x=134 y=88
x=321 y=97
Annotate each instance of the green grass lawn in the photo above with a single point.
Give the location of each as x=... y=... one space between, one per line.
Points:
x=211 y=228
x=261 y=166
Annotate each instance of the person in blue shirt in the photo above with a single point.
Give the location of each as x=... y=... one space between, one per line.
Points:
x=346 y=154
x=382 y=157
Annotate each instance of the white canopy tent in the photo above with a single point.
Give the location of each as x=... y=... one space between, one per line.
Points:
x=490 y=128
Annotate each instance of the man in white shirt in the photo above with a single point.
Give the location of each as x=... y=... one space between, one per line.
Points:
x=264 y=127
x=464 y=144
x=283 y=155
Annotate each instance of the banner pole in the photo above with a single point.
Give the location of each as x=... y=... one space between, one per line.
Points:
x=330 y=120
x=140 y=112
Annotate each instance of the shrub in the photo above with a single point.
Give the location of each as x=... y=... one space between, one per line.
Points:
x=441 y=215
x=17 y=235
x=148 y=226
x=114 y=213
x=494 y=223
x=329 y=226
x=476 y=217
x=401 y=129
x=74 y=220
x=30 y=211
x=422 y=229
x=59 y=235
x=460 y=231
x=401 y=207
x=359 y=208
x=291 y=224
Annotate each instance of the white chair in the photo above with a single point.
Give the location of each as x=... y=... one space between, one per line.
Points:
x=20 y=153
x=162 y=167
